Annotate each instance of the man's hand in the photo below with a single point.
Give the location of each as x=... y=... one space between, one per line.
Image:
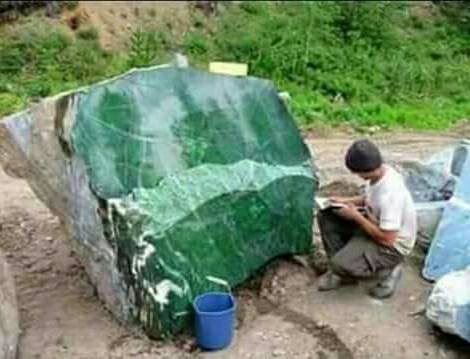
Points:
x=350 y=212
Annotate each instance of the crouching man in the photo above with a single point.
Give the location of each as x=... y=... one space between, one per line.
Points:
x=371 y=235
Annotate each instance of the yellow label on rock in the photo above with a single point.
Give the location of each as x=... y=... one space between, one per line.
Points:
x=229 y=68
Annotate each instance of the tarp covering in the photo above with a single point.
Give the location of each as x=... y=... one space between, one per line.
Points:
x=425 y=183
x=450 y=249
x=432 y=183
x=205 y=179
x=448 y=305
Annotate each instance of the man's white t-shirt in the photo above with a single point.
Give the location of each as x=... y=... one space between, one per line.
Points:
x=392 y=207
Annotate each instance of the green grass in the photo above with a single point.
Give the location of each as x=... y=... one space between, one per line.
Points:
x=364 y=63
x=37 y=61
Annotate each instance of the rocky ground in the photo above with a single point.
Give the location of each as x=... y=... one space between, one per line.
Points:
x=280 y=313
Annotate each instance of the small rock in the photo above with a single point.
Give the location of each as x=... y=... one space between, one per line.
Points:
x=377 y=302
x=189 y=345
x=373 y=129
x=285 y=96
x=180 y=60
x=421 y=310
x=302 y=261
x=279 y=353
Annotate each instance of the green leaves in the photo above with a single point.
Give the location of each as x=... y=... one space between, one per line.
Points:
x=365 y=53
x=38 y=60
x=144 y=48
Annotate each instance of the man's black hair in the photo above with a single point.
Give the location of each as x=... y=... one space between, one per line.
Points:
x=363 y=156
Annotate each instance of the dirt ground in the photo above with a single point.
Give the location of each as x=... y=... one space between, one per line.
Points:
x=281 y=316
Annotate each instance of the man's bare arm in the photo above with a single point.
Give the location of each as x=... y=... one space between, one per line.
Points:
x=386 y=238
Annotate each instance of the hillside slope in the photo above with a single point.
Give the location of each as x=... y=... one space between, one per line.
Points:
x=368 y=64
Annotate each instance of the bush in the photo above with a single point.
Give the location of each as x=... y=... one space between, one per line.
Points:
x=367 y=63
x=36 y=61
x=145 y=48
x=88 y=34
x=9 y=103
x=372 y=56
x=457 y=12
x=195 y=44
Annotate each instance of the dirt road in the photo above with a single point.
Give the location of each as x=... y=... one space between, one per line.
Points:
x=61 y=316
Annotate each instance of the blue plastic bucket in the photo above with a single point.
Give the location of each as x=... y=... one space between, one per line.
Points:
x=214 y=320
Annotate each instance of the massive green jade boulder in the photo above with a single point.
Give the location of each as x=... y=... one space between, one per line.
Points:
x=174 y=182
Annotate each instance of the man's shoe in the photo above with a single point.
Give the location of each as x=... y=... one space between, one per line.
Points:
x=331 y=281
x=387 y=286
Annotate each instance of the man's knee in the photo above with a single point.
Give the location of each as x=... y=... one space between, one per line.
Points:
x=340 y=267
x=354 y=269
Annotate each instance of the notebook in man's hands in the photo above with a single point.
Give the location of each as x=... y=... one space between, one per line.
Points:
x=324 y=203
